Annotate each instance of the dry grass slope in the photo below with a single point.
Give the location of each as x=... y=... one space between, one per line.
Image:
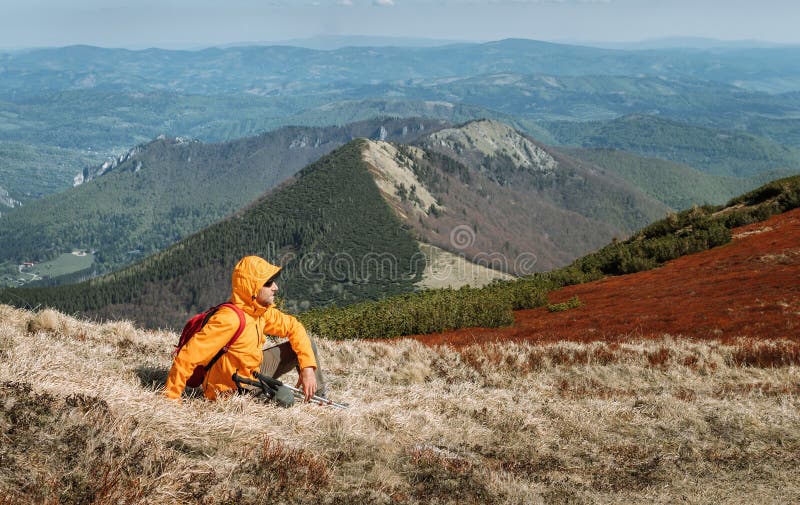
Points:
x=660 y=421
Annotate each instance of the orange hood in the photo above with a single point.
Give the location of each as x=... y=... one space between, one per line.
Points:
x=248 y=277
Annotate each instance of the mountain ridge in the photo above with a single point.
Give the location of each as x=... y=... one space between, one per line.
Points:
x=172 y=188
x=514 y=160
x=87 y=66
x=717 y=152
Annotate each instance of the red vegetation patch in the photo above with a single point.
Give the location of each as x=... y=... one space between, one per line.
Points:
x=750 y=288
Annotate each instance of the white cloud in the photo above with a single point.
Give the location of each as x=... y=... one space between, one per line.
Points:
x=383 y=3
x=346 y=3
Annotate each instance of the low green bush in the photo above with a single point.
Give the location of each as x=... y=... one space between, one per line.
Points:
x=423 y=312
x=440 y=309
x=572 y=303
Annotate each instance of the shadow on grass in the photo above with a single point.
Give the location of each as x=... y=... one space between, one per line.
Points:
x=155 y=378
x=152 y=377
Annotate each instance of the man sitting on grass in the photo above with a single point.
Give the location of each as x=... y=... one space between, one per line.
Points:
x=253 y=292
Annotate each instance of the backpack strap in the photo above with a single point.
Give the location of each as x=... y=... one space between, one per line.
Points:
x=235 y=336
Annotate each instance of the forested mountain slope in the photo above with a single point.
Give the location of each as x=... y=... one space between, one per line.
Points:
x=460 y=210
x=330 y=228
x=717 y=152
x=168 y=189
x=676 y=184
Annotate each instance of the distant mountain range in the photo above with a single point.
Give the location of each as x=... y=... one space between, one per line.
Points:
x=84 y=103
x=289 y=70
x=82 y=125
x=139 y=119
x=687 y=43
x=331 y=42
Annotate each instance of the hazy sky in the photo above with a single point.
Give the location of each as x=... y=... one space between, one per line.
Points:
x=191 y=23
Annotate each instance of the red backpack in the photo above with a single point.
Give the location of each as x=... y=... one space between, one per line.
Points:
x=196 y=324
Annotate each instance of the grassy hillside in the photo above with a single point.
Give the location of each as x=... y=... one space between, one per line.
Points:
x=676 y=184
x=715 y=152
x=335 y=235
x=650 y=422
x=170 y=189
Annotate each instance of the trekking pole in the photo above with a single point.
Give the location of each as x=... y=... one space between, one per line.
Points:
x=239 y=380
x=267 y=383
x=298 y=393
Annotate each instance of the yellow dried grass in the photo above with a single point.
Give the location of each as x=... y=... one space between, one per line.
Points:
x=625 y=422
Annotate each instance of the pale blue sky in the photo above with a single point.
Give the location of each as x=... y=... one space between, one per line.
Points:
x=193 y=23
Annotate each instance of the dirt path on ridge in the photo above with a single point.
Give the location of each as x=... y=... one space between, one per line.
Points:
x=749 y=287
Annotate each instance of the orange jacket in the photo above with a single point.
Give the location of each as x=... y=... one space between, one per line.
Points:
x=244 y=355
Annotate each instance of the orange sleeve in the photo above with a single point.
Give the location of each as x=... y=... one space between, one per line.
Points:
x=199 y=350
x=283 y=325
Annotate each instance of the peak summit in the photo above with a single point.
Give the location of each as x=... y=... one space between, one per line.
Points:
x=493 y=138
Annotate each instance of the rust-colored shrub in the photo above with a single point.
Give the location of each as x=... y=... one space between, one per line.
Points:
x=767 y=354
x=569 y=357
x=659 y=358
x=606 y=355
x=691 y=361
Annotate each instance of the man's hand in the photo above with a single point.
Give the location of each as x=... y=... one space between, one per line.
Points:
x=308 y=381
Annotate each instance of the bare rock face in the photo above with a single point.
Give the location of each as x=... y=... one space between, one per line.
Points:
x=6 y=200
x=110 y=164
x=493 y=138
x=394 y=174
x=114 y=162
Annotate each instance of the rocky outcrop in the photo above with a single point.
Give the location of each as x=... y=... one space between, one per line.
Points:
x=6 y=200
x=114 y=162
x=495 y=139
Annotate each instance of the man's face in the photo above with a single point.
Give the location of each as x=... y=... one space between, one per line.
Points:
x=266 y=295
